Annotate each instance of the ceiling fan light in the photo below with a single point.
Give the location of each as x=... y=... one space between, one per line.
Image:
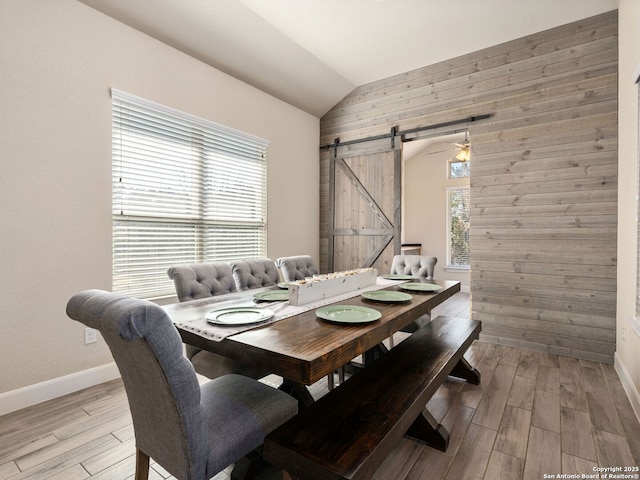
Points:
x=463 y=155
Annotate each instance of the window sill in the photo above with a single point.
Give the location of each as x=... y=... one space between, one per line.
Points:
x=457 y=268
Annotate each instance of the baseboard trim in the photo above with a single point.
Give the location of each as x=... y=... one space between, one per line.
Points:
x=540 y=347
x=627 y=384
x=56 y=387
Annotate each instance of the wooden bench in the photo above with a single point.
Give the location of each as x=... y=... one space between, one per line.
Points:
x=349 y=432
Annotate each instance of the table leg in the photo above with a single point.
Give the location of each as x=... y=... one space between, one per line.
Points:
x=427 y=429
x=369 y=356
x=464 y=370
x=299 y=392
x=374 y=353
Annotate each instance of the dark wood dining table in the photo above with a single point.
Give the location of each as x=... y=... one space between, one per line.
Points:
x=303 y=349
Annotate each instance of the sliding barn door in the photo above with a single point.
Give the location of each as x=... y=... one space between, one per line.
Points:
x=364 y=206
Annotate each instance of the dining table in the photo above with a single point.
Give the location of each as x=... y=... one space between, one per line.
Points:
x=295 y=342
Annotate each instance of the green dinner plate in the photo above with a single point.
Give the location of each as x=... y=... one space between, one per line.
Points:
x=272 y=296
x=398 y=277
x=420 y=287
x=284 y=284
x=386 y=296
x=348 y=314
x=239 y=315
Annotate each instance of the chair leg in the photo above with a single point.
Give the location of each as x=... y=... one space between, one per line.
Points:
x=142 y=465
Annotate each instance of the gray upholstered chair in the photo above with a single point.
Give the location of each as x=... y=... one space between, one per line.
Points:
x=192 y=431
x=203 y=280
x=297 y=267
x=254 y=273
x=422 y=266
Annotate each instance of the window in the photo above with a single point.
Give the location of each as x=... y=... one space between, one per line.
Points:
x=458 y=203
x=638 y=218
x=459 y=169
x=637 y=316
x=635 y=321
x=185 y=190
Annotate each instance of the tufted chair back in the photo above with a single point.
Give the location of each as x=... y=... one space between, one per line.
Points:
x=417 y=265
x=297 y=267
x=202 y=280
x=148 y=351
x=254 y=273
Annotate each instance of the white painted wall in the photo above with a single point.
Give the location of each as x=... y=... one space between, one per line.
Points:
x=627 y=357
x=424 y=208
x=58 y=60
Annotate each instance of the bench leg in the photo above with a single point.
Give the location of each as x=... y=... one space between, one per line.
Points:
x=464 y=370
x=427 y=429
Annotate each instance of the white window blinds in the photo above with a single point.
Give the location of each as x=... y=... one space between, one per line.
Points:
x=185 y=190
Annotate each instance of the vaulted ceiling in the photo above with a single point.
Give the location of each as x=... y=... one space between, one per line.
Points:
x=311 y=53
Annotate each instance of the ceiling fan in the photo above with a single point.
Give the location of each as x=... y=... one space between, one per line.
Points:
x=464 y=152
x=460 y=151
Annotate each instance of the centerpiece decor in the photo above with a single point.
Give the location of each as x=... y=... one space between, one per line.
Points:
x=319 y=287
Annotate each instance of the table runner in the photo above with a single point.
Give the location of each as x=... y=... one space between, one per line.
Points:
x=281 y=310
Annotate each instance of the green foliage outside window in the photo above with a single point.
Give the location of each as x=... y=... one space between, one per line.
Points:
x=459 y=205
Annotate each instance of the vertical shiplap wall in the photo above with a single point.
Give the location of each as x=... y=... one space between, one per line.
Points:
x=543 y=181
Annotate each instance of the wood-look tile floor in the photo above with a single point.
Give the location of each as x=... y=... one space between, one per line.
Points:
x=533 y=414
